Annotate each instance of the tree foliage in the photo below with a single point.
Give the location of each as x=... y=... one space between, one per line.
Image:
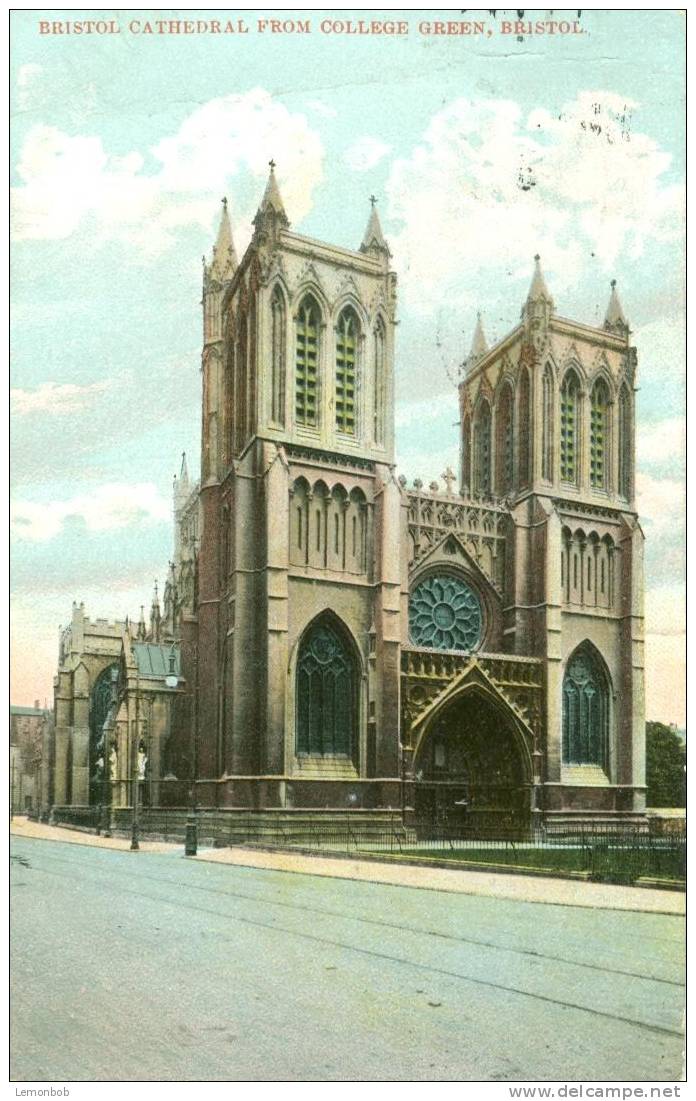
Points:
x=665 y=758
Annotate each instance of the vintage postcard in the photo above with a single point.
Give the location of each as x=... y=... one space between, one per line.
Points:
x=348 y=688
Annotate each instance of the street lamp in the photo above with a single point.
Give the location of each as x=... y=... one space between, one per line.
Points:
x=135 y=825
x=191 y=842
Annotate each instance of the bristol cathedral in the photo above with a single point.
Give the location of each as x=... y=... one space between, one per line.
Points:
x=330 y=636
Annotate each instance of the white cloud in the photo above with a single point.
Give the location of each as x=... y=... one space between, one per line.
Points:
x=658 y=441
x=365 y=153
x=110 y=507
x=488 y=186
x=70 y=182
x=57 y=400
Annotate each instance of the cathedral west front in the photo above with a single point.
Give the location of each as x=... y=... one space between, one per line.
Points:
x=333 y=637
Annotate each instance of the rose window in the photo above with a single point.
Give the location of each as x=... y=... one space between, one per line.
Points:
x=444 y=613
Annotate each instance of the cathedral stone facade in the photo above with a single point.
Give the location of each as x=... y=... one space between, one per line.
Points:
x=344 y=639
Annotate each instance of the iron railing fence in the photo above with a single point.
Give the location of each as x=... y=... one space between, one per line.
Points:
x=612 y=853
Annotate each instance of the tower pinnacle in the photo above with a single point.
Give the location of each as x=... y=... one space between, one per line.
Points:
x=271 y=205
x=615 y=320
x=373 y=239
x=224 y=262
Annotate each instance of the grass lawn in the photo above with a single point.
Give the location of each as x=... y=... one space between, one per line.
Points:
x=610 y=864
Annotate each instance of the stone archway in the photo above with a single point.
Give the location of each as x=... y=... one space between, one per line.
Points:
x=471 y=767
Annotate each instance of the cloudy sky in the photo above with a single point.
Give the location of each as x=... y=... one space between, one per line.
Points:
x=123 y=146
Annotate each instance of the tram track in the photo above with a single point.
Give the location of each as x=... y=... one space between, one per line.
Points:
x=148 y=879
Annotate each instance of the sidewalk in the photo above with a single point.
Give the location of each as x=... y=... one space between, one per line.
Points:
x=23 y=827
x=516 y=888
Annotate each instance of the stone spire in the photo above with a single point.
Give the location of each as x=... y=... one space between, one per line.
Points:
x=142 y=629
x=271 y=212
x=479 y=346
x=373 y=239
x=537 y=310
x=224 y=262
x=183 y=473
x=155 y=616
x=615 y=320
x=538 y=288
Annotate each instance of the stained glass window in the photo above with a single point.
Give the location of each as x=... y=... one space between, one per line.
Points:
x=585 y=711
x=598 y=435
x=346 y=339
x=444 y=613
x=306 y=355
x=326 y=694
x=569 y=428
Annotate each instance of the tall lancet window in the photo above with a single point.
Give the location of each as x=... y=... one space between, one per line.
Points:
x=585 y=710
x=466 y=452
x=625 y=443
x=380 y=382
x=346 y=359
x=569 y=428
x=504 y=462
x=278 y=357
x=599 y=417
x=326 y=693
x=240 y=383
x=306 y=362
x=524 y=429
x=482 y=449
x=547 y=425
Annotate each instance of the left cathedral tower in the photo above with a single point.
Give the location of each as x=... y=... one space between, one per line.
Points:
x=294 y=647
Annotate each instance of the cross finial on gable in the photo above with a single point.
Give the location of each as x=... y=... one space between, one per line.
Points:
x=271 y=164
x=448 y=478
x=373 y=200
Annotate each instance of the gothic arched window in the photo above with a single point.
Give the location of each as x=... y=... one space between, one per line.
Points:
x=327 y=693
x=524 y=429
x=625 y=443
x=444 y=613
x=585 y=710
x=346 y=368
x=278 y=357
x=482 y=449
x=547 y=425
x=240 y=382
x=380 y=381
x=570 y=392
x=504 y=461
x=599 y=424
x=306 y=362
x=466 y=453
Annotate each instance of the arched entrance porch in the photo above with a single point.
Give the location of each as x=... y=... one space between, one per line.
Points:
x=472 y=766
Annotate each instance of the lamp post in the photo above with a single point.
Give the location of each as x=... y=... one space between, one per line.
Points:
x=135 y=825
x=12 y=787
x=191 y=842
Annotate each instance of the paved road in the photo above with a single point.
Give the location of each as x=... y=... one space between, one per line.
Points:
x=145 y=966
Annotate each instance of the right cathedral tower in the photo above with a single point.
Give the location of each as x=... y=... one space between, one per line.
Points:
x=547 y=424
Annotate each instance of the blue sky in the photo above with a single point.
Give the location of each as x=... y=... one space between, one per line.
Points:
x=122 y=147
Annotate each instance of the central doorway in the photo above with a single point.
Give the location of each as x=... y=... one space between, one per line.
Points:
x=472 y=770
